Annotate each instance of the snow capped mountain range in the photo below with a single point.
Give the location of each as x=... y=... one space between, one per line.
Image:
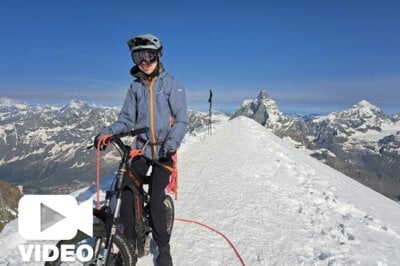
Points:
x=361 y=141
x=275 y=203
x=12 y=103
x=45 y=146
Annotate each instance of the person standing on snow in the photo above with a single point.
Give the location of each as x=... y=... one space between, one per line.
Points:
x=157 y=101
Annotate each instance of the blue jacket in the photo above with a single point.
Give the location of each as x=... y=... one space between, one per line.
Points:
x=154 y=106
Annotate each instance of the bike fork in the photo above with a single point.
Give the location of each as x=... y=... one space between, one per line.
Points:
x=118 y=186
x=112 y=230
x=97 y=246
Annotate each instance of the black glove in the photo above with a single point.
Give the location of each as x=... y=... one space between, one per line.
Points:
x=96 y=142
x=169 y=154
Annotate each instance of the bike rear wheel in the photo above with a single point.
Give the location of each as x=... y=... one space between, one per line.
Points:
x=121 y=251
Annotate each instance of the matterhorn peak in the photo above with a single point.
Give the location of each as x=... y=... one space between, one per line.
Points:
x=264 y=110
x=263 y=98
x=263 y=95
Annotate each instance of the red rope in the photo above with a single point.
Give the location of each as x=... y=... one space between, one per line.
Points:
x=103 y=141
x=214 y=230
x=98 y=178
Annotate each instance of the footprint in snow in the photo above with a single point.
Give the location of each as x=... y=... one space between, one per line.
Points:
x=376 y=224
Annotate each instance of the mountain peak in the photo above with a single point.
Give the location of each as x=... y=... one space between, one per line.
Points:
x=263 y=95
x=264 y=110
x=76 y=105
x=365 y=104
x=8 y=102
x=365 y=109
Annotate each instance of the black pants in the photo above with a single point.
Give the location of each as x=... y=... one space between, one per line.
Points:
x=157 y=183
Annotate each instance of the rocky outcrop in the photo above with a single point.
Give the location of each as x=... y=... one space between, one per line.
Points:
x=9 y=197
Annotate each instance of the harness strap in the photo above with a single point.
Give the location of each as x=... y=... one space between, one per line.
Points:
x=150 y=142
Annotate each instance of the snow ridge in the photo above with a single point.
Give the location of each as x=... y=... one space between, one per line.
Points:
x=277 y=205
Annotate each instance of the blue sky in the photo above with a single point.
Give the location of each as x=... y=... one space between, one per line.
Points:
x=310 y=56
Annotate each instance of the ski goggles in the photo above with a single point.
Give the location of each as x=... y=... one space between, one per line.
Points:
x=147 y=56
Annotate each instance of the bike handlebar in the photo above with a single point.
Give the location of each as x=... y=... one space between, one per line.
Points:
x=125 y=149
x=117 y=137
x=131 y=133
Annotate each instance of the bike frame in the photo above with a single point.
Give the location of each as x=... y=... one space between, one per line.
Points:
x=140 y=198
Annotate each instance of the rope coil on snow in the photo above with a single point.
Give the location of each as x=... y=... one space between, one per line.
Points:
x=219 y=233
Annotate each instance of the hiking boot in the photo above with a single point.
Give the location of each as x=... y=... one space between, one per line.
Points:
x=164 y=257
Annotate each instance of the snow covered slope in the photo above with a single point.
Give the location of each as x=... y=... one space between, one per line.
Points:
x=277 y=205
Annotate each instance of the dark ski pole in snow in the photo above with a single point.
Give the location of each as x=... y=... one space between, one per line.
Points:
x=210 y=113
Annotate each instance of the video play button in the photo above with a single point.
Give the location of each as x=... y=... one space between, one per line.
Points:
x=48 y=217
x=54 y=217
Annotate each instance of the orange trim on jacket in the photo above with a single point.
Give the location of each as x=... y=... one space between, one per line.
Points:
x=152 y=127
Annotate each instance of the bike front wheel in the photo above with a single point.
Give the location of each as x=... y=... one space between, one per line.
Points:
x=121 y=252
x=170 y=212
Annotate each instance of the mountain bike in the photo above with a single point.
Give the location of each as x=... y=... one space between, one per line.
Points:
x=110 y=246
